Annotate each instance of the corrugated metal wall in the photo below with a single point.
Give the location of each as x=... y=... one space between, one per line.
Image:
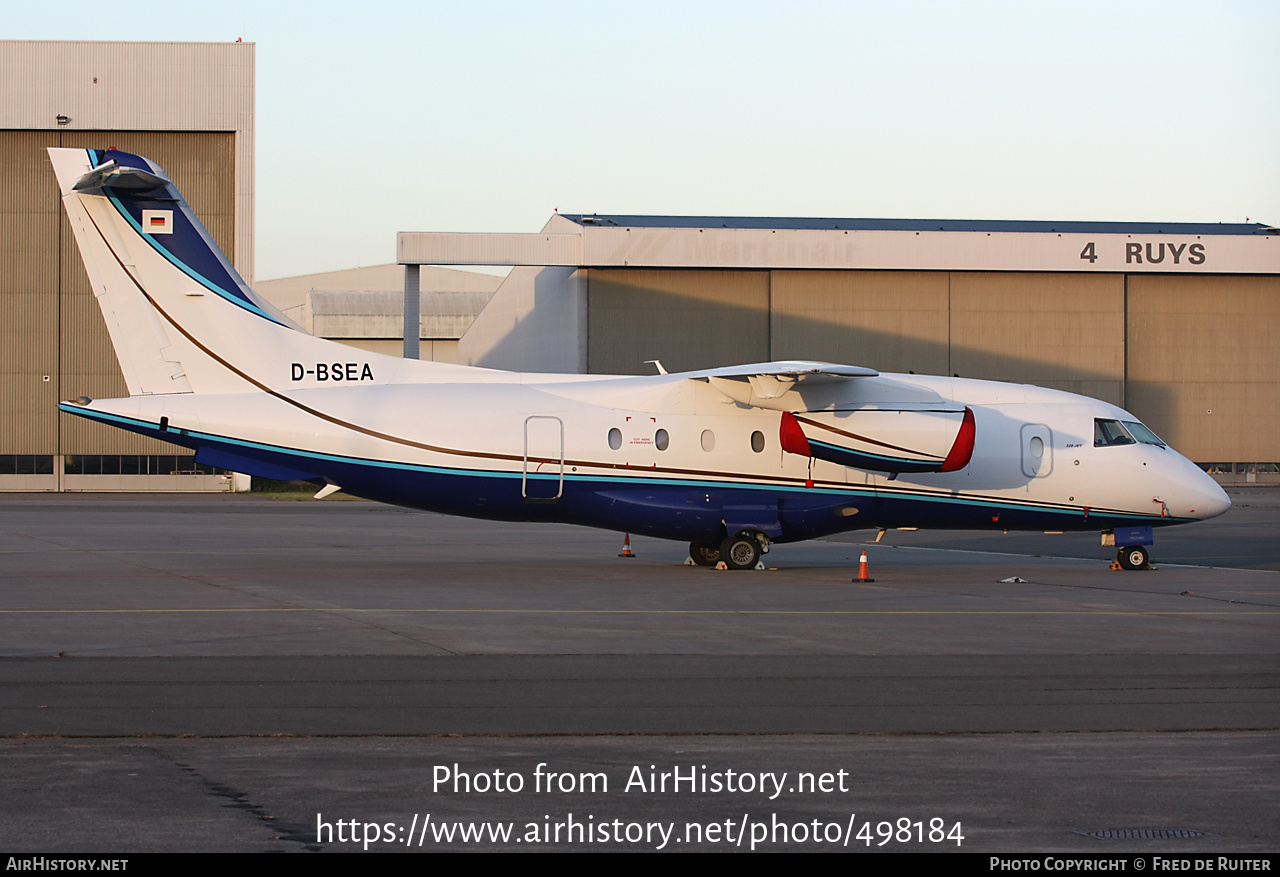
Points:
x=153 y=85
x=52 y=324
x=1204 y=364
x=30 y=222
x=1064 y=331
x=890 y=320
x=686 y=319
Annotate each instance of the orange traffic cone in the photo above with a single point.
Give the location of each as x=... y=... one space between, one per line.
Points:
x=626 y=546
x=864 y=572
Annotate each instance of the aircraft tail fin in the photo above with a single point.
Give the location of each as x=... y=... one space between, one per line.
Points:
x=181 y=318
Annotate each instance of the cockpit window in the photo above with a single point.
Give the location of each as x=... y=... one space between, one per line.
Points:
x=1109 y=433
x=1142 y=434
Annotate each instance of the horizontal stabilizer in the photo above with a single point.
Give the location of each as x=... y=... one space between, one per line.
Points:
x=131 y=179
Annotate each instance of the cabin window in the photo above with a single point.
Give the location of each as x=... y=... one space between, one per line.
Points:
x=661 y=439
x=615 y=438
x=757 y=441
x=708 y=440
x=1109 y=433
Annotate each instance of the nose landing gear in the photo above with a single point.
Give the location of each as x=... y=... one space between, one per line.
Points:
x=1134 y=557
x=1132 y=543
x=742 y=550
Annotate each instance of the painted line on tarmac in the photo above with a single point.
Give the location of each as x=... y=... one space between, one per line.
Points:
x=331 y=609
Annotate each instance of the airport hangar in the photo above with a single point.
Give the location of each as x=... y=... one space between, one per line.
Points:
x=1172 y=321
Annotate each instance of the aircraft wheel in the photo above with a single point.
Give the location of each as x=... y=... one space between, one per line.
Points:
x=741 y=551
x=1134 y=557
x=703 y=554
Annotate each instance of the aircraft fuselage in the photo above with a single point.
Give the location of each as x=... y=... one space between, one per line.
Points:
x=685 y=464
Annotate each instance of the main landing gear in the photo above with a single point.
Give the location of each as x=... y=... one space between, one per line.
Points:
x=742 y=550
x=704 y=554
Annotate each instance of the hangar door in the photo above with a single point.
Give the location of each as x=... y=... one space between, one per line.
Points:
x=686 y=319
x=55 y=345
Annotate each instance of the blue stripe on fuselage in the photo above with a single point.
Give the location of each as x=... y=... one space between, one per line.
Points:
x=665 y=506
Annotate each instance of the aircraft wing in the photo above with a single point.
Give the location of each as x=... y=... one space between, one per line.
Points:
x=761 y=384
x=794 y=369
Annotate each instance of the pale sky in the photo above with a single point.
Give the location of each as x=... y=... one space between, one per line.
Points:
x=379 y=117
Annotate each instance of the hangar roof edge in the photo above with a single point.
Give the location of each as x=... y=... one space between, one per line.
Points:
x=605 y=220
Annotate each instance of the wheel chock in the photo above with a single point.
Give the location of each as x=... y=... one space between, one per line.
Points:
x=759 y=564
x=1115 y=564
x=688 y=561
x=721 y=565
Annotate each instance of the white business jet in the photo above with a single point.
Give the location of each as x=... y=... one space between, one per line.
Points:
x=729 y=459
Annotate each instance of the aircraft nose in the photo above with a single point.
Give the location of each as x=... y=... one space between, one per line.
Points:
x=1214 y=500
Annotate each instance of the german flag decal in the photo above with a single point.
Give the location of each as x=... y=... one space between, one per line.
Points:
x=157 y=221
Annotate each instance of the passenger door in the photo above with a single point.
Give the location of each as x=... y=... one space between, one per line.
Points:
x=543 y=477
